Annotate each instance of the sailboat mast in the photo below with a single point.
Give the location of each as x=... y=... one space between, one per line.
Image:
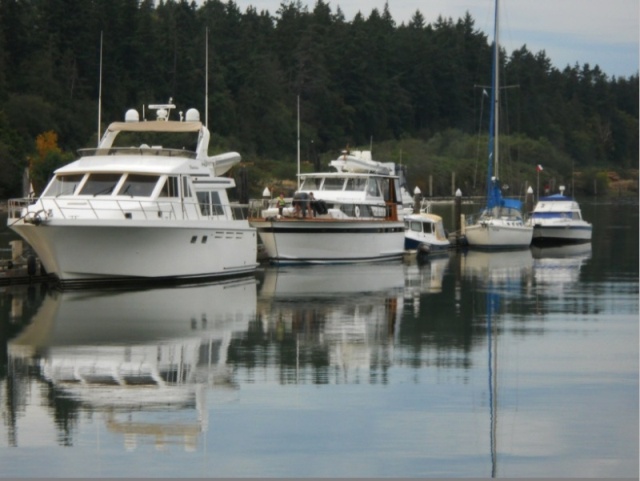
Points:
x=496 y=90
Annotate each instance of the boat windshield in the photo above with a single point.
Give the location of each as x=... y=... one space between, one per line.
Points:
x=333 y=183
x=373 y=189
x=100 y=184
x=311 y=183
x=138 y=185
x=498 y=212
x=356 y=184
x=63 y=184
x=416 y=226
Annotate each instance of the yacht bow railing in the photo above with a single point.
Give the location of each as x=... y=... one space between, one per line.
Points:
x=114 y=209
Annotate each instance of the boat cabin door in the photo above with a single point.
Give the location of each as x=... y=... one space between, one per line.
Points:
x=391 y=192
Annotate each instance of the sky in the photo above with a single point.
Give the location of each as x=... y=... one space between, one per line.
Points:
x=594 y=32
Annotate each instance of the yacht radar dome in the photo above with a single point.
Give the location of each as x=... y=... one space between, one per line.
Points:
x=193 y=115
x=132 y=116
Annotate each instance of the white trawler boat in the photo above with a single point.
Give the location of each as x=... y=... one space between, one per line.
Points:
x=140 y=212
x=354 y=216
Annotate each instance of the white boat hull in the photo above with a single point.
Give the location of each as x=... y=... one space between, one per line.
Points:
x=101 y=250
x=562 y=232
x=326 y=241
x=495 y=234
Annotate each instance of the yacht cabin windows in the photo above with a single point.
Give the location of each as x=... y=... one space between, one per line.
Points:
x=333 y=183
x=209 y=202
x=100 y=184
x=373 y=189
x=186 y=188
x=356 y=184
x=138 y=185
x=63 y=184
x=311 y=183
x=170 y=187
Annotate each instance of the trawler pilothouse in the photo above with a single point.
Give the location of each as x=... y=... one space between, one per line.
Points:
x=140 y=211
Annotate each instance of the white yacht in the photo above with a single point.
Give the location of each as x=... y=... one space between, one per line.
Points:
x=355 y=216
x=135 y=209
x=558 y=219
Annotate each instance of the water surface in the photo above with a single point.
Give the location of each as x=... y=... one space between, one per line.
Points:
x=520 y=364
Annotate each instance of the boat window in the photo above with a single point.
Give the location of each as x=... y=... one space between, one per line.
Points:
x=357 y=185
x=416 y=226
x=216 y=205
x=311 y=183
x=385 y=189
x=63 y=185
x=170 y=187
x=333 y=183
x=100 y=184
x=186 y=190
x=209 y=203
x=373 y=189
x=137 y=185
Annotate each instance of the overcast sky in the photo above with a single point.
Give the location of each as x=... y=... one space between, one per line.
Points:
x=597 y=32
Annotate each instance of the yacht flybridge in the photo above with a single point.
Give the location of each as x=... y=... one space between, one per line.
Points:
x=148 y=203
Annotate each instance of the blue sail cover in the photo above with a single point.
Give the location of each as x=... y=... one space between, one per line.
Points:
x=495 y=198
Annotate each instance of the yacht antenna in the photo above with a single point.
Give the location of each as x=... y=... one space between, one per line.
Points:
x=298 y=155
x=100 y=92
x=206 y=79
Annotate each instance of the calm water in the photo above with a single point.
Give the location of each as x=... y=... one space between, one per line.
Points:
x=480 y=365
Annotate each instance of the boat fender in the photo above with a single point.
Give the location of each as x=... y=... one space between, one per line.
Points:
x=357 y=211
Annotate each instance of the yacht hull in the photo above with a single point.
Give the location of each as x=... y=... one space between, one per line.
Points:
x=329 y=241
x=78 y=251
x=561 y=233
x=423 y=244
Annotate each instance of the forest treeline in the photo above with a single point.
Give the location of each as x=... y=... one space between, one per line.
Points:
x=415 y=89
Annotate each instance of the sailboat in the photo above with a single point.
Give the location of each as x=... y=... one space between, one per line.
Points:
x=500 y=224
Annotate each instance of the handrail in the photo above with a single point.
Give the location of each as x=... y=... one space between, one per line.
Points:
x=79 y=207
x=155 y=151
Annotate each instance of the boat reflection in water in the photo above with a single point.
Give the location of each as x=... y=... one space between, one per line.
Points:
x=498 y=267
x=424 y=277
x=348 y=316
x=560 y=264
x=145 y=359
